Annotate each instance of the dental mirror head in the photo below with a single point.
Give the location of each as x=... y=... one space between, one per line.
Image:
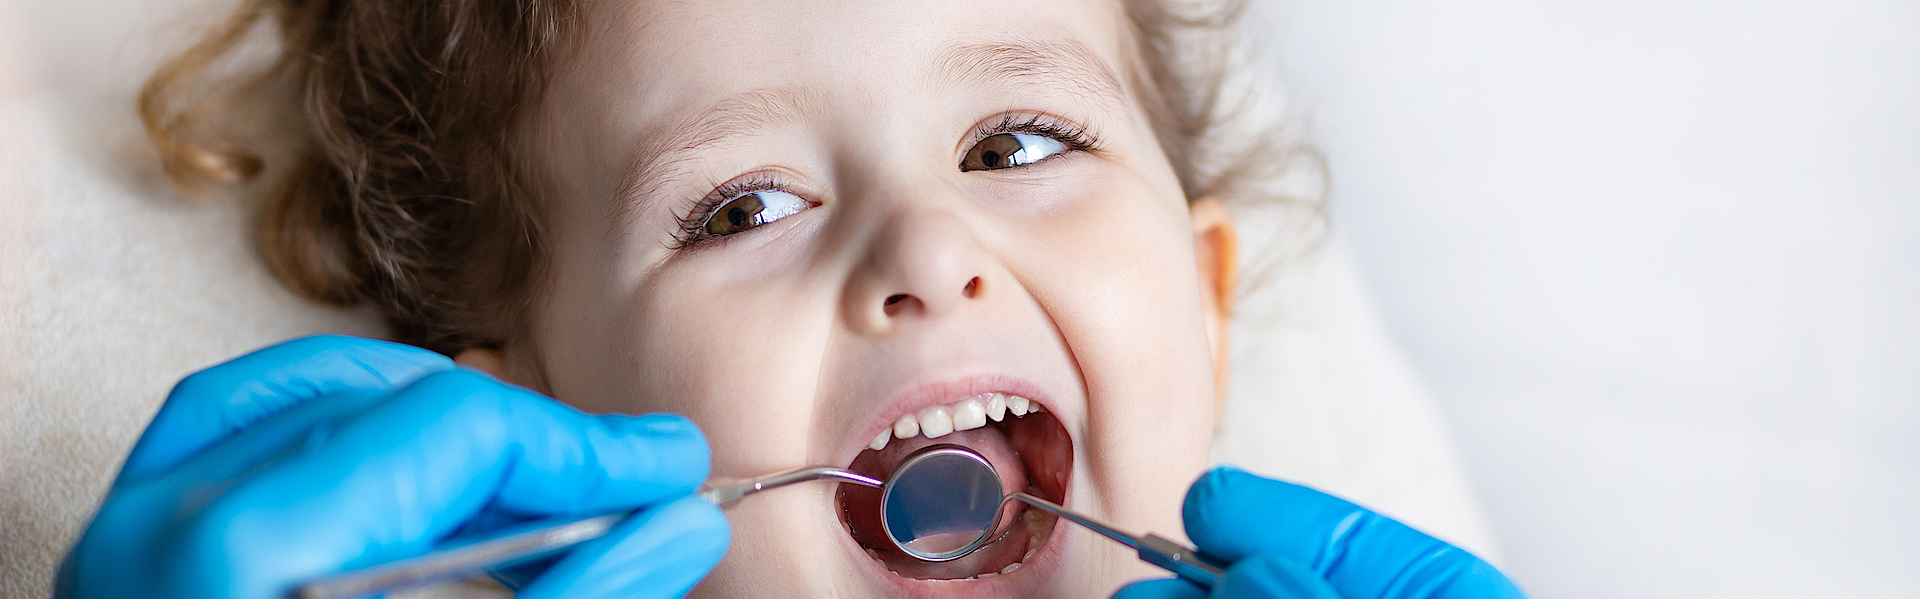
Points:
x=942 y=503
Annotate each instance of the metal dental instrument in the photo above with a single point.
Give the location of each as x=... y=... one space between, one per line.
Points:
x=944 y=503
x=517 y=546
x=941 y=504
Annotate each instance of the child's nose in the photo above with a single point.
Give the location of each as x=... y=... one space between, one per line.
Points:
x=923 y=264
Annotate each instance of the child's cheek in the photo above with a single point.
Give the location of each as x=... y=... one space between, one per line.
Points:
x=739 y=358
x=1113 y=266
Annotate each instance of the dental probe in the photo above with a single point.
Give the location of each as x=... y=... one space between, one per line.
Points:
x=516 y=546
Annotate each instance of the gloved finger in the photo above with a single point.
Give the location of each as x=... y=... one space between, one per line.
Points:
x=213 y=404
x=657 y=554
x=1232 y=514
x=1270 y=576
x=1160 y=588
x=390 y=482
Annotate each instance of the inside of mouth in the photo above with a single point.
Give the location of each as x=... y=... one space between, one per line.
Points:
x=1031 y=452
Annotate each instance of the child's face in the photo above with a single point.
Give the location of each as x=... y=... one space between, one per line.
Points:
x=797 y=222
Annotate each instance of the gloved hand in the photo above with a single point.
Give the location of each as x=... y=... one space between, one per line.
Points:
x=327 y=454
x=1288 y=541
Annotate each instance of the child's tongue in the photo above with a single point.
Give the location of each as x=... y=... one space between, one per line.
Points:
x=862 y=505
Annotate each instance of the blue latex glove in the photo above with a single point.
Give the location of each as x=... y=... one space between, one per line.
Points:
x=1284 y=540
x=327 y=454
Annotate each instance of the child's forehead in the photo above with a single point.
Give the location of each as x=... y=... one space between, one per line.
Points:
x=671 y=76
x=677 y=50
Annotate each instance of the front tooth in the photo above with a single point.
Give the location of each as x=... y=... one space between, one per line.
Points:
x=969 y=415
x=936 y=422
x=880 y=440
x=906 y=427
x=1018 y=405
x=997 y=406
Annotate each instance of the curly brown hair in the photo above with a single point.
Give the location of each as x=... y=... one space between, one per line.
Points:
x=396 y=176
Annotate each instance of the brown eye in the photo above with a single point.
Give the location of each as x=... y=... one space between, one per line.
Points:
x=752 y=210
x=1007 y=150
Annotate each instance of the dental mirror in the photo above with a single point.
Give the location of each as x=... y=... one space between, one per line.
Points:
x=941 y=504
x=944 y=503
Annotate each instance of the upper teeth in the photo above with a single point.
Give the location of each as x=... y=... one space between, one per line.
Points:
x=966 y=414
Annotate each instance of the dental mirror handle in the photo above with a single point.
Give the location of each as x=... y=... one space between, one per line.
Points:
x=1181 y=560
x=516 y=546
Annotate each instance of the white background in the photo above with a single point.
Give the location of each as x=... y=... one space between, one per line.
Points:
x=1660 y=262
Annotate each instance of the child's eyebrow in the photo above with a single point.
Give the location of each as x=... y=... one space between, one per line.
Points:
x=1064 y=64
x=653 y=165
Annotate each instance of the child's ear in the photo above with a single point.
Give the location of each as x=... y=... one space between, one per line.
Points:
x=1217 y=247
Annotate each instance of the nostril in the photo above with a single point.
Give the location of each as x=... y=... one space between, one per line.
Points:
x=973 y=288
x=894 y=303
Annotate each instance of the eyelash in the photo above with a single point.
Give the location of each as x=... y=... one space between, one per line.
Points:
x=1076 y=138
x=693 y=227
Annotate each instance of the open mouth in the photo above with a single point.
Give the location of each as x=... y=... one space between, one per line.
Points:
x=1027 y=446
